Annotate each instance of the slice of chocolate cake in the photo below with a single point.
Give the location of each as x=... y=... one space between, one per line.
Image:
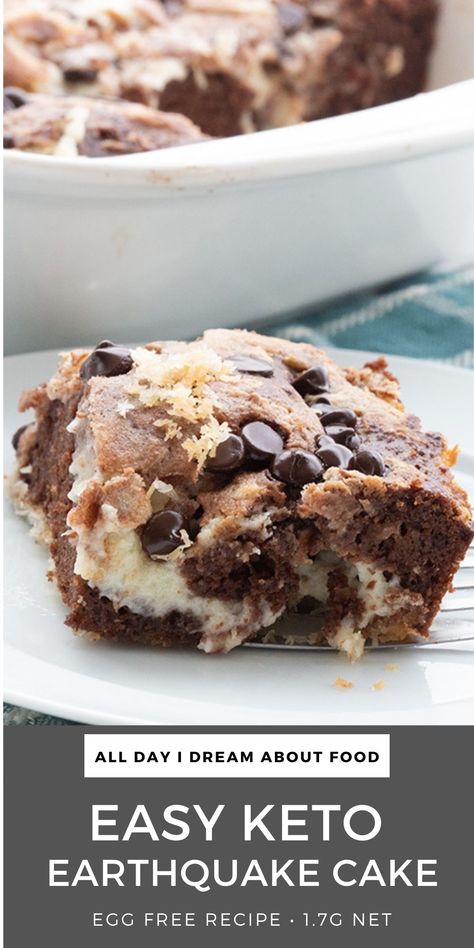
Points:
x=231 y=66
x=193 y=493
x=97 y=128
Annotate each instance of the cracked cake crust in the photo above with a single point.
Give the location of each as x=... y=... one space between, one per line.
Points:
x=364 y=540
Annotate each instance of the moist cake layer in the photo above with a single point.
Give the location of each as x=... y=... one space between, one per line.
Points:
x=194 y=493
x=231 y=66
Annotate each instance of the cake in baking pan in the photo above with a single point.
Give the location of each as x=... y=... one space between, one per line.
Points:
x=230 y=66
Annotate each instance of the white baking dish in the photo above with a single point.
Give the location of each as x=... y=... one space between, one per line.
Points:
x=166 y=244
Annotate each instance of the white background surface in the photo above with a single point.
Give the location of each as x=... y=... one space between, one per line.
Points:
x=47 y=668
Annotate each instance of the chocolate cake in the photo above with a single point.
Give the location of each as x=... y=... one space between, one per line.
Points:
x=231 y=66
x=78 y=125
x=194 y=493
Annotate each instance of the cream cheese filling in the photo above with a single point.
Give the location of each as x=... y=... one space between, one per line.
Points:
x=378 y=596
x=376 y=593
x=112 y=560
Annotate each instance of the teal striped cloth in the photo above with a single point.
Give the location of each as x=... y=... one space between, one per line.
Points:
x=428 y=317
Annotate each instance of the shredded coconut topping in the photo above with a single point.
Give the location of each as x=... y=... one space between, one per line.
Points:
x=181 y=381
x=176 y=554
x=123 y=407
x=172 y=430
x=212 y=434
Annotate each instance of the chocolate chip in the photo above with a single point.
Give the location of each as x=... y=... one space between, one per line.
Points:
x=8 y=141
x=335 y=455
x=261 y=441
x=107 y=359
x=314 y=381
x=17 y=436
x=321 y=408
x=162 y=533
x=297 y=468
x=80 y=75
x=346 y=436
x=251 y=365
x=324 y=440
x=292 y=17
x=368 y=461
x=339 y=433
x=194 y=526
x=229 y=454
x=321 y=400
x=340 y=416
x=307 y=604
x=353 y=443
x=14 y=98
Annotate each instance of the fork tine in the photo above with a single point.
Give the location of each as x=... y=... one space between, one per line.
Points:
x=464 y=579
x=461 y=598
x=454 y=622
x=468 y=561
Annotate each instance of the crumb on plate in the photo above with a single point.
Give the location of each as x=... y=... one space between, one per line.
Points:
x=378 y=685
x=343 y=684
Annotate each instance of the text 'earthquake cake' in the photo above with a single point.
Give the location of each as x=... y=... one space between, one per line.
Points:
x=193 y=493
x=230 y=66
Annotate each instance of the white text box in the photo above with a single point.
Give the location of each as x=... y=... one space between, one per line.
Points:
x=237 y=755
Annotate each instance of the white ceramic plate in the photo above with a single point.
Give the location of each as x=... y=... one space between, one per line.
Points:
x=49 y=669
